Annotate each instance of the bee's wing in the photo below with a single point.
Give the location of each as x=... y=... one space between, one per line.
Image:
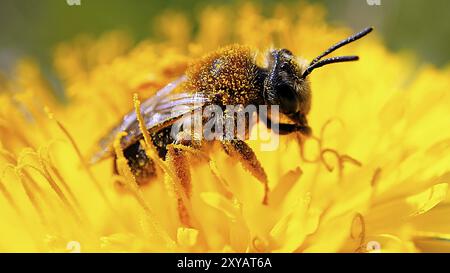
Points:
x=159 y=111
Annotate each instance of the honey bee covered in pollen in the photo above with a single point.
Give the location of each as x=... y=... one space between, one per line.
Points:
x=226 y=77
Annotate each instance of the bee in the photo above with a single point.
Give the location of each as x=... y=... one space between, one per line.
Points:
x=227 y=76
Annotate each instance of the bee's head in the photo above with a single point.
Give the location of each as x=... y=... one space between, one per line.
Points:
x=287 y=85
x=284 y=86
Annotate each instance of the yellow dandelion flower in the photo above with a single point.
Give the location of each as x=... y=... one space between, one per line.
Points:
x=373 y=176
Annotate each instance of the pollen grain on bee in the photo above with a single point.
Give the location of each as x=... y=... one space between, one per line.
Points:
x=214 y=122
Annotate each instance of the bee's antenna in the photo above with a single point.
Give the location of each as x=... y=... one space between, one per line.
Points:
x=342 y=43
x=318 y=64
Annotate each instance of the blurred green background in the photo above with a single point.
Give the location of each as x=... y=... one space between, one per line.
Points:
x=33 y=28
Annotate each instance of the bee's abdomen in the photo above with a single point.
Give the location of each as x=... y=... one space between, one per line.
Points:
x=161 y=139
x=142 y=167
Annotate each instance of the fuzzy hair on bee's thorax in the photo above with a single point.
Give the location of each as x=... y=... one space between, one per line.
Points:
x=227 y=76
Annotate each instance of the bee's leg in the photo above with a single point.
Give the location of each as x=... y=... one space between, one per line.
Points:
x=177 y=162
x=284 y=129
x=177 y=159
x=142 y=167
x=239 y=149
x=177 y=156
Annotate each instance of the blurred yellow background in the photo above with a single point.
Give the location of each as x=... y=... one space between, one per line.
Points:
x=35 y=27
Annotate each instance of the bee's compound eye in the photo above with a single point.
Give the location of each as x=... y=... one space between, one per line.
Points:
x=288 y=99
